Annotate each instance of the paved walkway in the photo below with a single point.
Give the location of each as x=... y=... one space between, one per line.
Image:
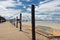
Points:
x=9 y=32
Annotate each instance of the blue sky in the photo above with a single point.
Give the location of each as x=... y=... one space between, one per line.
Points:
x=23 y=4
x=44 y=9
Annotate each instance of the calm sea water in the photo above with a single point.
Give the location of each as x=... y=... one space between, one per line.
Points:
x=47 y=21
x=50 y=21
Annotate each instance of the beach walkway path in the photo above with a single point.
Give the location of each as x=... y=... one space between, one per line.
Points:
x=10 y=32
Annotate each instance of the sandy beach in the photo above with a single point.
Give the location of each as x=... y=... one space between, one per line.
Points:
x=53 y=26
x=47 y=28
x=9 y=32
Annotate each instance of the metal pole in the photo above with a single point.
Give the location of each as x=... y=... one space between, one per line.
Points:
x=20 y=22
x=33 y=22
x=17 y=22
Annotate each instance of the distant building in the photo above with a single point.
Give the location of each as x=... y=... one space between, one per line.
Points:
x=2 y=19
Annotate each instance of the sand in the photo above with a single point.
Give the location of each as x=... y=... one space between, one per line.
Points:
x=54 y=26
x=50 y=28
x=9 y=32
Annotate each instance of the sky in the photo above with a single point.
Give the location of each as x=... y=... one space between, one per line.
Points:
x=44 y=9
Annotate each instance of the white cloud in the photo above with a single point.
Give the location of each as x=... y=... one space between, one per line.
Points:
x=49 y=8
x=18 y=0
x=8 y=12
x=27 y=0
x=6 y=3
x=29 y=9
x=26 y=16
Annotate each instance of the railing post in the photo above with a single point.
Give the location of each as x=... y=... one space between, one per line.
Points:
x=17 y=22
x=14 y=21
x=33 y=22
x=20 y=22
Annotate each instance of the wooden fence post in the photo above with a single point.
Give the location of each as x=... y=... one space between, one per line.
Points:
x=17 y=22
x=33 y=22
x=20 y=22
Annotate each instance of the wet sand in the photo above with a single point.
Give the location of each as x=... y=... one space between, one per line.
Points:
x=46 y=28
x=54 y=26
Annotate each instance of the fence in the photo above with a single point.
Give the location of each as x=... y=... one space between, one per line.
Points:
x=39 y=30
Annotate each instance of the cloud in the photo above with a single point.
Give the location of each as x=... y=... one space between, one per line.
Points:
x=49 y=8
x=26 y=16
x=28 y=0
x=9 y=12
x=3 y=0
x=43 y=10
